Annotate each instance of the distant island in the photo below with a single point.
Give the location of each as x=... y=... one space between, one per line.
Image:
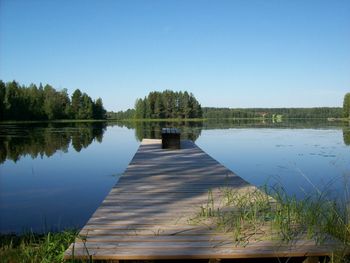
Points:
x=45 y=103
x=168 y=105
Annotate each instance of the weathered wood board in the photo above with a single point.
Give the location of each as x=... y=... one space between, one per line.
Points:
x=147 y=213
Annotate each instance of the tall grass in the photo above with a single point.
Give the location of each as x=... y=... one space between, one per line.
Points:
x=30 y=247
x=271 y=214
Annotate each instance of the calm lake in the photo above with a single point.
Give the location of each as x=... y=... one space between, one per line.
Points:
x=54 y=176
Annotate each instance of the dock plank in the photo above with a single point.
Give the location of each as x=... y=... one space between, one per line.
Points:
x=147 y=214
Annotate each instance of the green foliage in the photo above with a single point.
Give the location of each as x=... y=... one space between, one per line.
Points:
x=272 y=113
x=98 y=110
x=168 y=105
x=163 y=109
x=35 y=248
x=121 y=115
x=346 y=105
x=55 y=103
x=86 y=109
x=76 y=103
x=45 y=103
x=139 y=109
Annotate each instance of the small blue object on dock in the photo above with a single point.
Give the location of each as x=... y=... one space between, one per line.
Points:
x=171 y=138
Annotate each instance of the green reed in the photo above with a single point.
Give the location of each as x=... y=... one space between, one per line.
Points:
x=271 y=214
x=30 y=247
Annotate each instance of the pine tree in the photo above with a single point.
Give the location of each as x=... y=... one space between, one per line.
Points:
x=53 y=103
x=139 y=109
x=159 y=107
x=99 y=111
x=186 y=105
x=147 y=109
x=76 y=103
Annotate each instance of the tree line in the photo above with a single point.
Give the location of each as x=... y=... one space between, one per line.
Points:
x=182 y=105
x=267 y=113
x=121 y=115
x=33 y=102
x=292 y=113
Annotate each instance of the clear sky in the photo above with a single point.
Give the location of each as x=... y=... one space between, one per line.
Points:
x=235 y=53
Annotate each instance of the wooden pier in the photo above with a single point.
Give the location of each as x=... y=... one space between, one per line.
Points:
x=148 y=214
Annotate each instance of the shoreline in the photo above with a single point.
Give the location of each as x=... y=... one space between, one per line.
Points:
x=170 y=120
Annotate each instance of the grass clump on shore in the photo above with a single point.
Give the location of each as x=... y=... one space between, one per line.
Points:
x=254 y=215
x=30 y=247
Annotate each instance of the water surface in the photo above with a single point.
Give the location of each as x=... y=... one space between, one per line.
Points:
x=54 y=176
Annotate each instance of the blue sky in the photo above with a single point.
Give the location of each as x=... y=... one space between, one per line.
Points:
x=246 y=53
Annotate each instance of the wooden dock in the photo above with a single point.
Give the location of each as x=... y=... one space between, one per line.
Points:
x=147 y=214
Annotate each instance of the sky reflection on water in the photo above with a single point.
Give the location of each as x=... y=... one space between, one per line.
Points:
x=55 y=176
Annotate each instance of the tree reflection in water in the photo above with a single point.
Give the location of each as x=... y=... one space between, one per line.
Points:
x=346 y=135
x=45 y=139
x=190 y=130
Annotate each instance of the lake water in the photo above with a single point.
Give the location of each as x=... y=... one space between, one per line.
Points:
x=54 y=176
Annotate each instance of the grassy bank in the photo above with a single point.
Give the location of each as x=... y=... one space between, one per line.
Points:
x=271 y=214
x=247 y=216
x=33 y=248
